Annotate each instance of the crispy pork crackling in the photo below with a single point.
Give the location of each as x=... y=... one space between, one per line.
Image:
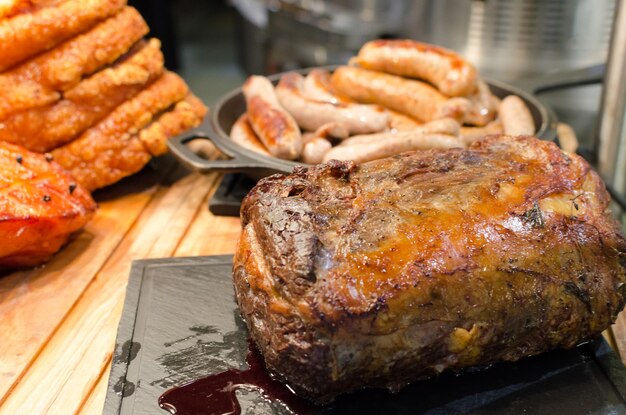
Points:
x=41 y=205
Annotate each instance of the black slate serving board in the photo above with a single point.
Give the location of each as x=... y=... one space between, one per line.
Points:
x=180 y=323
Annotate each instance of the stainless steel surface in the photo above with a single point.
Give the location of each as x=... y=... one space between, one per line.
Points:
x=509 y=39
x=305 y=33
x=612 y=131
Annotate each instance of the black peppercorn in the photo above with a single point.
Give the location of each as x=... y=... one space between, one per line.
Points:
x=46 y=198
x=20 y=159
x=72 y=187
x=49 y=157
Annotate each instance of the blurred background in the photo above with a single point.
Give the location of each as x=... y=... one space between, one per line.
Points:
x=533 y=44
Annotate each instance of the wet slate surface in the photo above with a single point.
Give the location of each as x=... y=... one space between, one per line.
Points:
x=180 y=323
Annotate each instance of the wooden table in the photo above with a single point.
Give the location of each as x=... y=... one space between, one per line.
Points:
x=58 y=322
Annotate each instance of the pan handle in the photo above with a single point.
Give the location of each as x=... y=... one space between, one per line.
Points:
x=564 y=79
x=237 y=163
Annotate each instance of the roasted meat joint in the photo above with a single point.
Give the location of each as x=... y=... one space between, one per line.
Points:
x=378 y=274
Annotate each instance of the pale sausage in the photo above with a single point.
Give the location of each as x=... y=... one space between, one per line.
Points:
x=311 y=114
x=360 y=153
x=515 y=116
x=446 y=126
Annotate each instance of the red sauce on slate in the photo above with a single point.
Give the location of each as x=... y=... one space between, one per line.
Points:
x=215 y=394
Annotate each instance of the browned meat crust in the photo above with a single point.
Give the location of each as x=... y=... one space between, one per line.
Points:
x=123 y=142
x=35 y=26
x=379 y=274
x=40 y=207
x=42 y=129
x=38 y=81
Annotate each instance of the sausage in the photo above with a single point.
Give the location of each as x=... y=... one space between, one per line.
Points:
x=394 y=144
x=414 y=98
x=271 y=123
x=567 y=137
x=483 y=106
x=315 y=149
x=401 y=122
x=311 y=114
x=316 y=144
x=446 y=126
x=317 y=86
x=329 y=130
x=448 y=71
x=471 y=134
x=243 y=134
x=515 y=116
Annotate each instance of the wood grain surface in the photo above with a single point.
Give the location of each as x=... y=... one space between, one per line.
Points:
x=59 y=321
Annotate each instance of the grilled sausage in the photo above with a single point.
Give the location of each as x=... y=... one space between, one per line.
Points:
x=414 y=98
x=311 y=114
x=272 y=124
x=394 y=144
x=515 y=116
x=243 y=134
x=448 y=71
x=317 y=86
x=445 y=126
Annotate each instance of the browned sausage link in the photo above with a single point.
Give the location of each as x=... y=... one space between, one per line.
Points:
x=445 y=69
x=414 y=98
x=394 y=144
x=272 y=124
x=317 y=86
x=311 y=114
x=515 y=116
x=243 y=134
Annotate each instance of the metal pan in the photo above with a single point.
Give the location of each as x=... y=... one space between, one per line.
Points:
x=216 y=129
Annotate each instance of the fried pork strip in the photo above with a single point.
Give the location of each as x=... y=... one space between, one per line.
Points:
x=44 y=128
x=123 y=142
x=25 y=34
x=39 y=81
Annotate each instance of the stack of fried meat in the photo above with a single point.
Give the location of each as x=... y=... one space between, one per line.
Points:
x=78 y=80
x=81 y=86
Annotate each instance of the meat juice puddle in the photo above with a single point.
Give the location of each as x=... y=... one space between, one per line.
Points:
x=216 y=394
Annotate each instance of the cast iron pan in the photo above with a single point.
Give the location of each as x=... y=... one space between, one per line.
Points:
x=216 y=128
